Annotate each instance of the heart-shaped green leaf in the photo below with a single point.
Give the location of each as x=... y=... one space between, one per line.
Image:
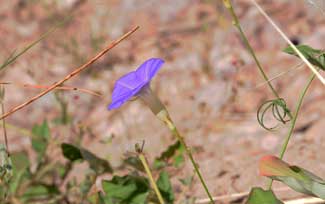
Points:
x=127 y=189
x=260 y=196
x=134 y=162
x=299 y=179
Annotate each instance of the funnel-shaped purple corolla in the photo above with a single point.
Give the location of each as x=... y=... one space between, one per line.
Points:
x=137 y=83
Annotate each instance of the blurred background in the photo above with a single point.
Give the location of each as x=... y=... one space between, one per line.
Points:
x=209 y=82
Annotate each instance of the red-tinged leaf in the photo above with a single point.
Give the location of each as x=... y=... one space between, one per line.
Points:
x=272 y=166
x=299 y=179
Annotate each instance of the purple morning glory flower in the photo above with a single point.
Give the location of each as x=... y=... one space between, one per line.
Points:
x=132 y=83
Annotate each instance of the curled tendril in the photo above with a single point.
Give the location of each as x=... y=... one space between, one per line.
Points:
x=279 y=111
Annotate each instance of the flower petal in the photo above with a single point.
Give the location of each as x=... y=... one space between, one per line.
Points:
x=124 y=89
x=130 y=84
x=148 y=69
x=120 y=101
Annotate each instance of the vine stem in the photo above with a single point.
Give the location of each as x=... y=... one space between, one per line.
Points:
x=293 y=122
x=164 y=116
x=236 y=23
x=152 y=181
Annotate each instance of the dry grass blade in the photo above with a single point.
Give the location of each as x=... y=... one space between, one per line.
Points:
x=295 y=68
x=312 y=68
x=234 y=196
x=73 y=73
x=13 y=56
x=308 y=200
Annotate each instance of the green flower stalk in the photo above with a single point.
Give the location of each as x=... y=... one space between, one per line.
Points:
x=144 y=162
x=153 y=102
x=137 y=84
x=163 y=115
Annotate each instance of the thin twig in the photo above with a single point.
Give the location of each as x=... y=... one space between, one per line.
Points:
x=75 y=72
x=67 y=88
x=277 y=28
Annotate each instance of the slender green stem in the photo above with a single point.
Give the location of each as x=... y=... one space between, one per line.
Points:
x=294 y=120
x=236 y=23
x=2 y=96
x=152 y=181
x=164 y=116
x=153 y=102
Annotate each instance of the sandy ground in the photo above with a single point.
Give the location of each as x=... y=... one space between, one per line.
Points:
x=210 y=84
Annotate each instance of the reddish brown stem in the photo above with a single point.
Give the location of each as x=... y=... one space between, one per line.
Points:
x=75 y=72
x=67 y=88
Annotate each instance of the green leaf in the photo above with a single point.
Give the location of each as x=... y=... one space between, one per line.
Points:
x=170 y=151
x=71 y=152
x=186 y=181
x=21 y=172
x=135 y=163
x=39 y=191
x=74 y=153
x=297 y=178
x=314 y=56
x=175 y=152
x=122 y=192
x=127 y=189
x=42 y=130
x=178 y=160
x=158 y=164
x=40 y=138
x=259 y=196
x=104 y=200
x=139 y=198
x=97 y=164
x=39 y=145
x=165 y=187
